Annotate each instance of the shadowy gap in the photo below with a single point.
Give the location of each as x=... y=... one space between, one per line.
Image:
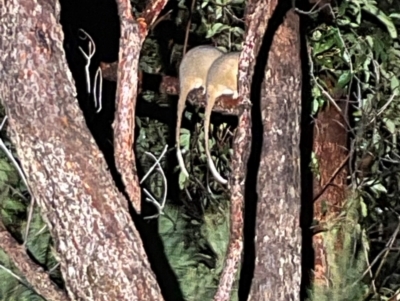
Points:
x=251 y=196
x=306 y=144
x=100 y=20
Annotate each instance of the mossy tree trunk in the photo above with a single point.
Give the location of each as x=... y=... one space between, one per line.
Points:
x=330 y=187
x=330 y=148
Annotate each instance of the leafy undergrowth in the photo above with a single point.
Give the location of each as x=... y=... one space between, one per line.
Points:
x=196 y=251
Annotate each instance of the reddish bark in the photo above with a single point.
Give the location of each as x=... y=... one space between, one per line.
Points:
x=33 y=273
x=330 y=148
x=133 y=33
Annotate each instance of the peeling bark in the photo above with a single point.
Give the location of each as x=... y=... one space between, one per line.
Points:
x=100 y=251
x=277 y=274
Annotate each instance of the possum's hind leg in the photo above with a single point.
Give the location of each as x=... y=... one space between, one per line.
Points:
x=184 y=91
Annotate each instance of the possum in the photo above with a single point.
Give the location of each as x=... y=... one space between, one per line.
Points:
x=193 y=72
x=222 y=79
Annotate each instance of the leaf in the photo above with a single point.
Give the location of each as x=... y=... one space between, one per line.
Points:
x=376 y=187
x=216 y=29
x=204 y=4
x=395 y=16
x=364 y=208
x=378 y=13
x=344 y=79
x=323 y=46
x=182 y=180
x=218 y=13
x=3 y=176
x=394 y=85
x=390 y=126
x=237 y=31
x=184 y=138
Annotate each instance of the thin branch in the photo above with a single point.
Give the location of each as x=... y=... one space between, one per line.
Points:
x=12 y=274
x=188 y=27
x=333 y=176
x=155 y=163
x=38 y=279
x=159 y=206
x=98 y=77
x=88 y=56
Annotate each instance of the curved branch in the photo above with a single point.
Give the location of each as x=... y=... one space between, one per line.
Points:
x=256 y=23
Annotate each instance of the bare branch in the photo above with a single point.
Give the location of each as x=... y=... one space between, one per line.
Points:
x=133 y=33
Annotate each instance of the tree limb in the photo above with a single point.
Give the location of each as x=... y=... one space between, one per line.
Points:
x=256 y=23
x=33 y=273
x=133 y=33
x=100 y=251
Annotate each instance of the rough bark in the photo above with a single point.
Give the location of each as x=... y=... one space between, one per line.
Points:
x=332 y=154
x=133 y=33
x=100 y=251
x=277 y=272
x=256 y=22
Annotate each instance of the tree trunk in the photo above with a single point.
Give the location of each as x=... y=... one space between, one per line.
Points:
x=277 y=272
x=330 y=182
x=330 y=141
x=100 y=251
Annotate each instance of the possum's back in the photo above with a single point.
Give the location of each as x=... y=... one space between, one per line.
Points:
x=196 y=63
x=224 y=71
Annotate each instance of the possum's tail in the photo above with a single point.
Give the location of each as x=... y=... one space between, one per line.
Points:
x=207 y=116
x=181 y=108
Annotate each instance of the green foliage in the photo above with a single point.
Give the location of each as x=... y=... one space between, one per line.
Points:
x=355 y=54
x=220 y=21
x=150 y=63
x=11 y=289
x=194 y=234
x=188 y=244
